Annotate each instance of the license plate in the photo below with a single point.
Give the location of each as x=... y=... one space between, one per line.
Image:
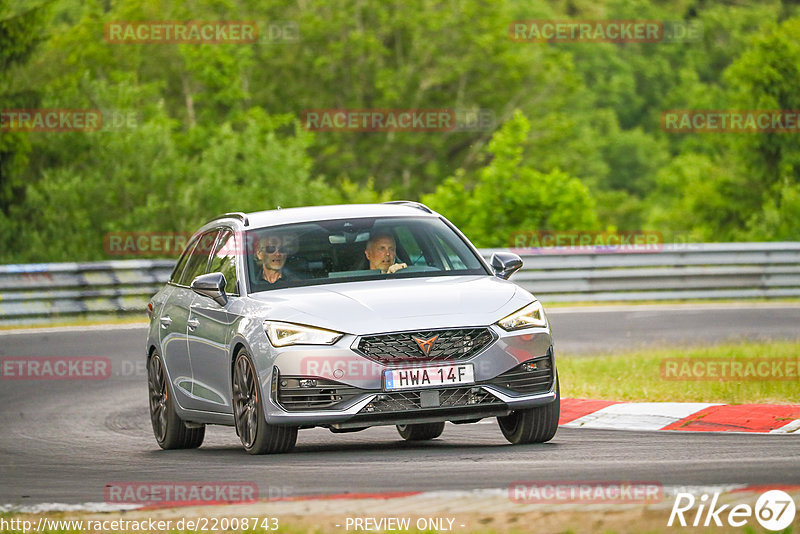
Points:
x=423 y=377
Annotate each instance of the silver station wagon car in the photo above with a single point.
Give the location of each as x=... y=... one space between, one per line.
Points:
x=345 y=317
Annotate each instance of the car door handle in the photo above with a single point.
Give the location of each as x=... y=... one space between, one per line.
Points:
x=166 y=321
x=192 y=323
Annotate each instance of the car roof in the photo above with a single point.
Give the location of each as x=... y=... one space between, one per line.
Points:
x=276 y=217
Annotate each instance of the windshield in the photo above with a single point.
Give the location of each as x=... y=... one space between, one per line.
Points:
x=323 y=252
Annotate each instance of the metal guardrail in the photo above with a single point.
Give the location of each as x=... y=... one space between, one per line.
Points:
x=47 y=290
x=685 y=271
x=675 y=271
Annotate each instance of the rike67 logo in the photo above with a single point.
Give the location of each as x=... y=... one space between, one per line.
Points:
x=774 y=510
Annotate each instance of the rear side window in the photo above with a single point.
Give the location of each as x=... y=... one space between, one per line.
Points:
x=197 y=263
x=224 y=261
x=181 y=265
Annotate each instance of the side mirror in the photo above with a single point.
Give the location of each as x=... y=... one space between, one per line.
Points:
x=505 y=264
x=211 y=285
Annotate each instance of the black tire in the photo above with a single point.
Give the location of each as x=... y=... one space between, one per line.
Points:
x=256 y=435
x=420 y=432
x=168 y=428
x=536 y=425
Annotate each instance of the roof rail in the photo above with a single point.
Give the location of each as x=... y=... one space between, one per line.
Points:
x=233 y=215
x=411 y=204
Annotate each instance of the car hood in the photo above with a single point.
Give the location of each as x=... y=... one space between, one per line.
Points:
x=394 y=305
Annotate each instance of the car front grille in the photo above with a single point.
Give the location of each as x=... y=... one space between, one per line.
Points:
x=450 y=344
x=300 y=393
x=528 y=378
x=409 y=401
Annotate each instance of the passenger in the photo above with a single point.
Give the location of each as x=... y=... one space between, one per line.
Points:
x=271 y=254
x=380 y=252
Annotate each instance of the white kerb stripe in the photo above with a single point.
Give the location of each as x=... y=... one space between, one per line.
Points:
x=791 y=428
x=639 y=415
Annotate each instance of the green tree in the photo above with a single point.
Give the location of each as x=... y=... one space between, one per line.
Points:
x=20 y=32
x=690 y=201
x=218 y=124
x=509 y=197
x=767 y=76
x=738 y=186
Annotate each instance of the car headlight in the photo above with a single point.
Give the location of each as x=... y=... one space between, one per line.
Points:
x=529 y=316
x=285 y=334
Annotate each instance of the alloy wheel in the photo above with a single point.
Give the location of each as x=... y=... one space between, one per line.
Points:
x=157 y=384
x=245 y=400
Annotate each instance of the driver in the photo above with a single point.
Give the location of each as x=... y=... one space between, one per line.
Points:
x=271 y=254
x=380 y=252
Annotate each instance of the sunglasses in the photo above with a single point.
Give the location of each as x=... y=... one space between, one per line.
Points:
x=272 y=249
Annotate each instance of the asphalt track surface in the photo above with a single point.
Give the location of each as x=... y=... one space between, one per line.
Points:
x=64 y=441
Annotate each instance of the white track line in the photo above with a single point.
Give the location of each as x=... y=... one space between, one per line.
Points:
x=77 y=328
x=429 y=502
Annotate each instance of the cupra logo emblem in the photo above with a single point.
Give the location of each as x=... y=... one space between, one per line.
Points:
x=425 y=345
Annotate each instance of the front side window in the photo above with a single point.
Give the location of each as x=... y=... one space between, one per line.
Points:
x=356 y=249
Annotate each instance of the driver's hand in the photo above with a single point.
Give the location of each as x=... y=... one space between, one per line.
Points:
x=396 y=267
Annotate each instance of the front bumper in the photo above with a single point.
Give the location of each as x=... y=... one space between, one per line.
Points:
x=364 y=412
x=515 y=372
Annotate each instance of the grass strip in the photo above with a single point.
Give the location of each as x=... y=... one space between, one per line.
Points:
x=685 y=374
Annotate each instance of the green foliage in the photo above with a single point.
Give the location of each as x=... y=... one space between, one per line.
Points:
x=20 y=32
x=780 y=220
x=746 y=187
x=767 y=76
x=142 y=180
x=511 y=197
x=577 y=145
x=416 y=54
x=687 y=198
